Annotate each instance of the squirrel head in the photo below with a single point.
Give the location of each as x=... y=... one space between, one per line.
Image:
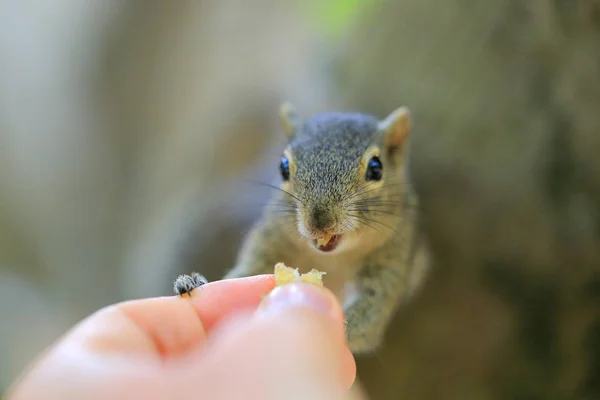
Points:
x=343 y=174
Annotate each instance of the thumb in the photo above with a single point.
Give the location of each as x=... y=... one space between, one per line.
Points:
x=293 y=347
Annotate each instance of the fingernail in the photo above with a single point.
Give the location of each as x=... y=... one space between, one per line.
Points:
x=292 y=295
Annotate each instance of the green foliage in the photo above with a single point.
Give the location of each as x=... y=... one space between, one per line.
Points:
x=333 y=16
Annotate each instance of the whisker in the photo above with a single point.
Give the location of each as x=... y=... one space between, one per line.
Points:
x=282 y=209
x=280 y=189
x=285 y=218
x=382 y=203
x=285 y=204
x=288 y=206
x=283 y=213
x=289 y=224
x=366 y=211
x=348 y=226
x=366 y=224
x=359 y=190
x=385 y=206
x=363 y=188
x=385 y=185
x=382 y=195
x=358 y=231
x=380 y=223
x=377 y=201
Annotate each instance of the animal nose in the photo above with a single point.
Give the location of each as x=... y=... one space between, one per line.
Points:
x=320 y=218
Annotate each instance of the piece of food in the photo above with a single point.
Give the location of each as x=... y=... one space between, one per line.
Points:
x=285 y=275
x=324 y=240
x=313 y=276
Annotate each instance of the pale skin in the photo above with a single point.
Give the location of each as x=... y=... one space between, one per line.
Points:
x=221 y=342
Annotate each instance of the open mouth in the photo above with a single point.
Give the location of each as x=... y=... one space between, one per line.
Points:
x=327 y=243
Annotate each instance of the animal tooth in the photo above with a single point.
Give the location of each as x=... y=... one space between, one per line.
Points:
x=322 y=241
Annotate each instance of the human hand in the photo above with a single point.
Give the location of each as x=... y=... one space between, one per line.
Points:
x=217 y=344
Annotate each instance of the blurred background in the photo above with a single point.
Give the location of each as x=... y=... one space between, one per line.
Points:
x=131 y=132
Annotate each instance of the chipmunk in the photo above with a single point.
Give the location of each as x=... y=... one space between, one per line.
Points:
x=343 y=206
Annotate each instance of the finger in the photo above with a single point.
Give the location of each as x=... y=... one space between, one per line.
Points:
x=336 y=313
x=170 y=326
x=216 y=300
x=348 y=368
x=290 y=347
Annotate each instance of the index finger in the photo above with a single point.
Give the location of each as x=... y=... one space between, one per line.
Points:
x=170 y=326
x=216 y=300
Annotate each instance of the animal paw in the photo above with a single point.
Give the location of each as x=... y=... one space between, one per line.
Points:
x=186 y=283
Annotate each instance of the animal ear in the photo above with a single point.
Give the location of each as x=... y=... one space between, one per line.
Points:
x=395 y=128
x=290 y=118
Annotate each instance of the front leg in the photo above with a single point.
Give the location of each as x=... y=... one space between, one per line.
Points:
x=260 y=251
x=258 y=255
x=381 y=288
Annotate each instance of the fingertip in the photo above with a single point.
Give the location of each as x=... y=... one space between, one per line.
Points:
x=323 y=315
x=348 y=368
x=276 y=353
x=301 y=295
x=216 y=300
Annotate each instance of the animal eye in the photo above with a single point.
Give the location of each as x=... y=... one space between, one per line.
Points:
x=374 y=170
x=284 y=168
